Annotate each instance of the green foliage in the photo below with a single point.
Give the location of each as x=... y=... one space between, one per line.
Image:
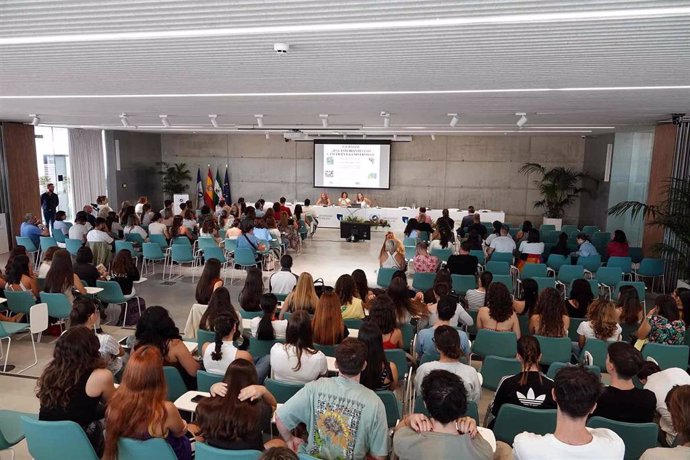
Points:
x=175 y=177
x=559 y=187
x=671 y=213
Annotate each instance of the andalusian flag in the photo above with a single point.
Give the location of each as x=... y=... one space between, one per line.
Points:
x=199 y=188
x=209 y=194
x=226 y=188
x=218 y=188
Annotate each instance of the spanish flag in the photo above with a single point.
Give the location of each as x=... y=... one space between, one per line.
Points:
x=209 y=192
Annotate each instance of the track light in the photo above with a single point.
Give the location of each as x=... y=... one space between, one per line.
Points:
x=386 y=119
x=324 y=120
x=124 y=120
x=164 y=121
x=454 y=119
x=214 y=120
x=395 y=137
x=259 y=120
x=433 y=136
x=523 y=119
x=268 y=136
x=35 y=120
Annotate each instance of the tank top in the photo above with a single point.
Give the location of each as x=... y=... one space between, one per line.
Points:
x=81 y=408
x=228 y=352
x=390 y=262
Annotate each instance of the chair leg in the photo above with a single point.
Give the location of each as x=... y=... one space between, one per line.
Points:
x=7 y=353
x=124 y=317
x=33 y=345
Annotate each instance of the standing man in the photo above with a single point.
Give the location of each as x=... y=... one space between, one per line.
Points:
x=49 y=204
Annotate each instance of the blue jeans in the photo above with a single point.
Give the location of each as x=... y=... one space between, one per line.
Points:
x=263 y=367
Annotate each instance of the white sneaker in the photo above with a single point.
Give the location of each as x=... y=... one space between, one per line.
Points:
x=587 y=359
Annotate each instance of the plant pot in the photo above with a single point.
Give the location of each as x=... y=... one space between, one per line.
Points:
x=556 y=222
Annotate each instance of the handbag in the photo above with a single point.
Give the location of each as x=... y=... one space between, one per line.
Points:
x=320 y=287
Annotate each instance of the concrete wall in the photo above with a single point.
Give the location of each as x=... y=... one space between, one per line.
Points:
x=594 y=206
x=452 y=171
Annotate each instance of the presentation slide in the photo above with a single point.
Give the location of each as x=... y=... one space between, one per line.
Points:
x=356 y=165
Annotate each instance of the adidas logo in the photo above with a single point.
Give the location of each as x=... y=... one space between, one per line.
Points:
x=530 y=400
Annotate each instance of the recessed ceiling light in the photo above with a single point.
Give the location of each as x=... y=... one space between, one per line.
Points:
x=268 y=136
x=259 y=120
x=214 y=120
x=124 y=120
x=433 y=136
x=164 y=121
x=324 y=120
x=386 y=119
x=523 y=119
x=453 y=120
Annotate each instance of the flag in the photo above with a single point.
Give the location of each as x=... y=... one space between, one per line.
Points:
x=226 y=188
x=199 y=188
x=218 y=188
x=209 y=194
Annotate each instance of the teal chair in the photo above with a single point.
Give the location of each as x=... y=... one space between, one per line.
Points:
x=230 y=244
x=572 y=329
x=494 y=368
x=206 y=452
x=608 y=277
x=282 y=391
x=637 y=437
x=442 y=254
x=250 y=314
x=524 y=324
x=204 y=380
x=590 y=263
x=463 y=283
x=544 y=283
x=479 y=254
x=569 y=273
x=532 y=271
x=125 y=245
x=568 y=229
x=393 y=407
x=423 y=281
x=636 y=254
x=513 y=420
x=598 y=349
x=47 y=242
x=73 y=246
x=30 y=247
x=639 y=285
x=259 y=348
x=176 y=386
x=152 y=253
x=214 y=252
x=554 y=262
x=423 y=236
x=590 y=229
x=112 y=293
x=11 y=432
x=492 y=343
x=667 y=356
x=244 y=258
x=59 y=236
x=651 y=268
x=58 y=305
x=408 y=332
x=159 y=240
x=206 y=242
x=43 y=438
x=281 y=296
x=411 y=242
x=547 y=228
x=557 y=366
x=134 y=238
x=497 y=267
x=506 y=280
x=19 y=301
x=134 y=449
x=183 y=240
x=384 y=277
x=506 y=257
x=353 y=323
x=410 y=252
x=554 y=349
x=624 y=263
x=472 y=330
x=550 y=237
x=399 y=358
x=7 y=330
x=182 y=254
x=328 y=350
x=202 y=337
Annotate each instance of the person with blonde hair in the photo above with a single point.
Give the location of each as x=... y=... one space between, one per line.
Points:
x=602 y=323
x=303 y=296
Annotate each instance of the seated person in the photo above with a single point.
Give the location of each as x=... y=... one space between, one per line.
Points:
x=621 y=400
x=85 y=269
x=267 y=326
x=503 y=242
x=33 y=229
x=296 y=360
x=561 y=247
x=80 y=228
x=462 y=263
x=618 y=246
x=158 y=227
x=576 y=391
x=61 y=224
x=379 y=374
x=390 y=257
x=218 y=355
x=498 y=315
x=663 y=324
x=602 y=323
x=47 y=259
x=442 y=238
x=323 y=200
x=550 y=318
x=328 y=325
x=99 y=234
x=344 y=200
x=283 y=281
x=423 y=262
x=249 y=241
x=84 y=313
x=678 y=401
x=132 y=226
x=425 y=344
x=531 y=249
x=448 y=345
x=447 y=434
x=382 y=313
x=351 y=306
x=442 y=288
x=585 y=248
x=411 y=230
x=354 y=426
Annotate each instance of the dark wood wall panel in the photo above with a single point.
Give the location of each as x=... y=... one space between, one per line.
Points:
x=19 y=148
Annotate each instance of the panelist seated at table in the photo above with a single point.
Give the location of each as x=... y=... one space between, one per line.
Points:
x=324 y=200
x=344 y=200
x=362 y=200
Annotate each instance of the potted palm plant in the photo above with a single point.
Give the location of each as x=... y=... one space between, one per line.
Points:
x=559 y=187
x=175 y=178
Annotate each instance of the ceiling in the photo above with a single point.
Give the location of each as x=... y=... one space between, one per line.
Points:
x=573 y=66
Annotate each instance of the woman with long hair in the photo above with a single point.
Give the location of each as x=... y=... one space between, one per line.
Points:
x=618 y=246
x=178 y=229
x=140 y=409
x=530 y=295
x=664 y=324
x=219 y=304
x=498 y=315
x=602 y=323
x=631 y=312
x=125 y=272
x=411 y=228
x=530 y=379
x=61 y=277
x=441 y=239
x=157 y=328
x=209 y=228
x=236 y=421
x=234 y=231
x=351 y=305
x=296 y=360
x=405 y=307
x=209 y=281
x=382 y=313
x=84 y=313
x=47 y=260
x=18 y=276
x=253 y=289
x=390 y=257
x=550 y=318
x=75 y=384
x=580 y=298
x=328 y=325
x=379 y=374
x=266 y=327
x=133 y=226
x=362 y=290
x=302 y=297
x=218 y=355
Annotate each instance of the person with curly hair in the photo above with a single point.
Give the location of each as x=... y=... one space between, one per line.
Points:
x=382 y=313
x=602 y=323
x=498 y=314
x=551 y=318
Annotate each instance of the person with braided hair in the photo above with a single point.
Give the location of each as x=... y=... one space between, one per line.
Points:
x=219 y=355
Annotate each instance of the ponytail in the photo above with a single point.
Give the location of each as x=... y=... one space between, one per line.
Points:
x=222 y=326
x=82 y=309
x=265 y=330
x=529 y=350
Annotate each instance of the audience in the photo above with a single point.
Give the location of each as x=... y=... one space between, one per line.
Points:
x=503 y=242
x=631 y=312
x=550 y=318
x=382 y=313
x=531 y=249
x=303 y=296
x=663 y=324
x=498 y=314
x=19 y=276
x=618 y=246
x=61 y=277
x=580 y=298
x=100 y=233
x=530 y=296
x=33 y=229
x=139 y=409
x=448 y=434
x=425 y=343
x=253 y=289
x=379 y=374
x=218 y=355
x=158 y=227
x=522 y=234
x=462 y=263
x=178 y=229
x=328 y=325
x=47 y=260
x=411 y=229
x=442 y=238
x=296 y=360
x=678 y=401
x=209 y=281
x=475 y=297
x=283 y=281
x=585 y=247
x=351 y=305
x=405 y=307
x=682 y=298
x=132 y=226
x=362 y=290
x=219 y=304
x=576 y=391
x=80 y=228
x=460 y=316
x=84 y=313
x=423 y=262
x=344 y=418
x=266 y=327
x=125 y=272
x=561 y=248
x=85 y=269
x=390 y=257
x=602 y=323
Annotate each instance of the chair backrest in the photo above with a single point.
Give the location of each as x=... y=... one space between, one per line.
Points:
x=544 y=282
x=19 y=301
x=498 y=267
x=569 y=273
x=506 y=257
x=47 y=242
x=410 y=242
x=590 y=263
x=492 y=343
x=58 y=305
x=259 y=348
x=44 y=437
x=204 y=336
x=636 y=254
x=598 y=349
x=134 y=449
x=244 y=257
x=423 y=236
x=134 y=238
x=353 y=323
x=494 y=368
x=399 y=357
x=328 y=350
x=111 y=293
x=230 y=244
x=590 y=229
x=173 y=379
x=27 y=243
x=547 y=228
x=384 y=277
x=609 y=276
x=250 y=314
x=506 y=280
x=512 y=420
x=181 y=240
x=392 y=405
x=153 y=251
x=73 y=246
x=639 y=285
x=550 y=236
x=206 y=242
x=637 y=437
x=479 y=254
x=214 y=252
x=554 y=349
x=159 y=240
x=410 y=252
x=204 y=380
x=624 y=263
x=408 y=331
x=282 y=391
x=667 y=356
x=463 y=283
x=124 y=245
x=181 y=253
x=206 y=452
x=557 y=366
x=651 y=267
x=601 y=236
x=38 y=318
x=423 y=281
x=58 y=235
x=568 y=229
x=555 y=261
x=572 y=329
x=533 y=270
x=442 y=254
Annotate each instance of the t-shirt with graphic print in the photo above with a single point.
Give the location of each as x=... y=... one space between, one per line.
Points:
x=345 y=420
x=534 y=394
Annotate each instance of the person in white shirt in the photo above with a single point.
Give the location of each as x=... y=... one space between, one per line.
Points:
x=311 y=218
x=157 y=227
x=678 y=401
x=284 y=281
x=296 y=360
x=134 y=227
x=266 y=326
x=100 y=233
x=660 y=383
x=602 y=324
x=576 y=391
x=146 y=215
x=497 y=225
x=80 y=228
x=139 y=207
x=475 y=298
x=502 y=243
x=217 y=356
